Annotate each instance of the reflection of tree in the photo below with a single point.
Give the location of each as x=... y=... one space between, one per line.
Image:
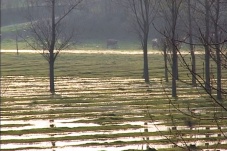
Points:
x=52 y=125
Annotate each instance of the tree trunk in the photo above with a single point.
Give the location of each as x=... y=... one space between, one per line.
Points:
x=51 y=72
x=146 y=25
x=174 y=50
x=207 y=48
x=219 y=93
x=166 y=67
x=174 y=72
x=165 y=59
x=217 y=47
x=51 y=50
x=145 y=61
x=193 y=70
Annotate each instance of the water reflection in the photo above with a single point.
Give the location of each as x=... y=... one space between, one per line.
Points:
x=52 y=125
x=44 y=123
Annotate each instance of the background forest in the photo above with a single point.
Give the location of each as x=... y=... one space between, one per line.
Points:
x=95 y=20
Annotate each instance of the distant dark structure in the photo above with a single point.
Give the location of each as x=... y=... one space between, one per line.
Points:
x=112 y=44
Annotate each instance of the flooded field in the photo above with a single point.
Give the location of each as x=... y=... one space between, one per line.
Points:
x=100 y=93
x=103 y=104
x=89 y=113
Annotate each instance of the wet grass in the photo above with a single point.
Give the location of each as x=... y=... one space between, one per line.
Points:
x=110 y=136
x=83 y=65
x=105 y=89
x=14 y=125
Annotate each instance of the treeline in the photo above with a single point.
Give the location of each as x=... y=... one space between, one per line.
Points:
x=94 y=19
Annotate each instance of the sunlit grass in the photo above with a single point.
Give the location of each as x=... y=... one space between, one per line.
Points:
x=87 y=65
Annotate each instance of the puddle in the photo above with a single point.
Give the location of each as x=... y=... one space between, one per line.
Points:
x=22 y=145
x=71 y=145
x=71 y=124
x=26 y=136
x=63 y=122
x=151 y=126
x=45 y=124
x=67 y=145
x=33 y=136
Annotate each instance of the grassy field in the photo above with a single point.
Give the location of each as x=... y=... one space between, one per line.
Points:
x=99 y=44
x=102 y=102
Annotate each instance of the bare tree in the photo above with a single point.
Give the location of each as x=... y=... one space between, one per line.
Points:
x=170 y=13
x=191 y=42
x=206 y=45
x=143 y=13
x=211 y=31
x=217 y=41
x=175 y=5
x=47 y=33
x=211 y=112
